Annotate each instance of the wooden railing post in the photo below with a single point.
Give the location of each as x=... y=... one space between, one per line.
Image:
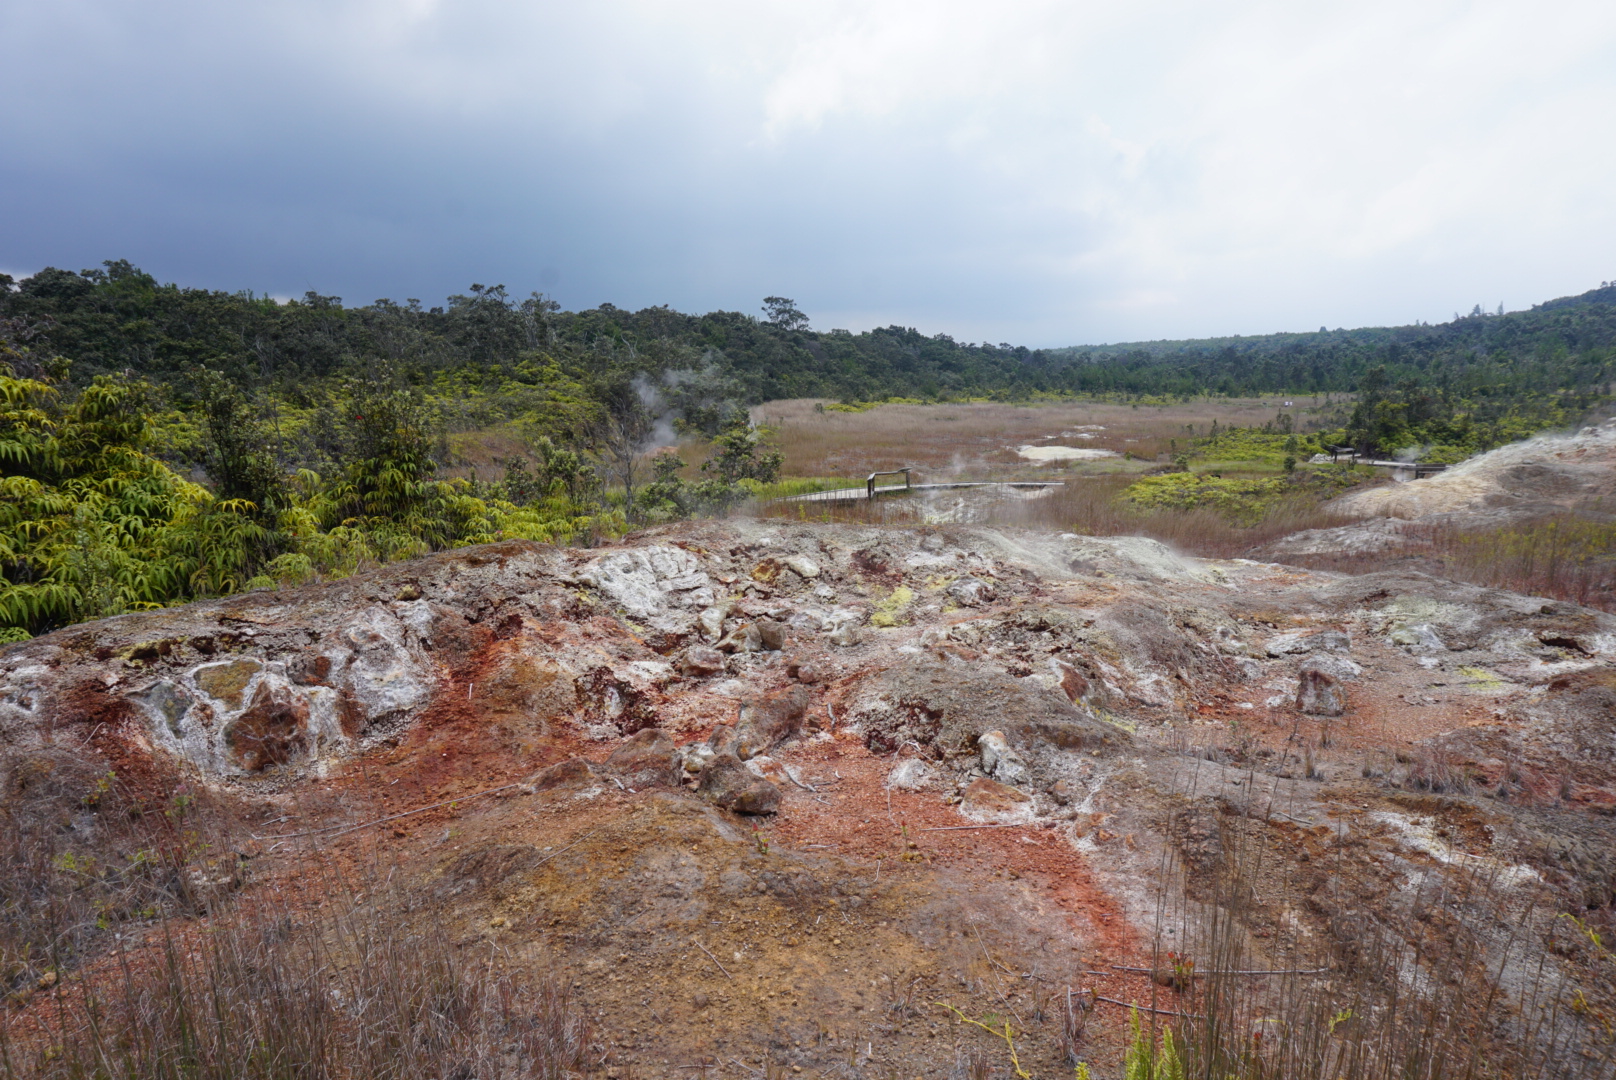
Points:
x=869 y=485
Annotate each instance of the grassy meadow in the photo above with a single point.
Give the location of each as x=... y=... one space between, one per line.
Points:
x=978 y=441
x=1235 y=495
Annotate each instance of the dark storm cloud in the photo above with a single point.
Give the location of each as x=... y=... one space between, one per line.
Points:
x=1043 y=173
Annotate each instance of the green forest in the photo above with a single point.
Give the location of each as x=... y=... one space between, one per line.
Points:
x=163 y=443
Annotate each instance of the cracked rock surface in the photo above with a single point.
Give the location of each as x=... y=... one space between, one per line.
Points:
x=847 y=760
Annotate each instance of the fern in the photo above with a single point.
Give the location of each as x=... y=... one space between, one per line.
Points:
x=93 y=525
x=1144 y=1061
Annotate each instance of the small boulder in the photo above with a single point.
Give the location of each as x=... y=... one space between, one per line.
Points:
x=1416 y=637
x=1333 y=664
x=1293 y=642
x=1289 y=643
x=726 y=782
x=765 y=767
x=1062 y=792
x=722 y=739
x=1074 y=684
x=804 y=673
x=745 y=638
x=690 y=759
x=802 y=566
x=999 y=760
x=572 y=773
x=644 y=760
x=990 y=801
x=700 y=661
x=1332 y=641
x=768 y=721
x=1318 y=693
x=711 y=620
x=772 y=634
x=970 y=591
x=911 y=774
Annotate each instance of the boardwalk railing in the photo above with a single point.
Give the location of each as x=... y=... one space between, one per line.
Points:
x=1352 y=457
x=869 y=485
x=870 y=489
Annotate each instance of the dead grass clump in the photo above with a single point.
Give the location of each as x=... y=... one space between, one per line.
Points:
x=1438 y=772
x=356 y=995
x=971 y=1064
x=1074 y=1007
x=903 y=996
x=1440 y=979
x=1563 y=557
x=83 y=850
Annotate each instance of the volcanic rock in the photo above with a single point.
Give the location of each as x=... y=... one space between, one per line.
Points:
x=645 y=760
x=728 y=783
x=990 y=801
x=700 y=661
x=1319 y=693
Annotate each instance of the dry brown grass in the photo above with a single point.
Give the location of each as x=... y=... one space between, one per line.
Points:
x=978 y=441
x=1561 y=556
x=1440 y=983
x=353 y=991
x=83 y=851
x=481 y=455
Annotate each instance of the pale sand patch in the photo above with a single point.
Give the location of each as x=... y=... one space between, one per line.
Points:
x=1064 y=453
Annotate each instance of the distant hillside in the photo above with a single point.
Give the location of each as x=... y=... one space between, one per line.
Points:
x=162 y=443
x=1480 y=378
x=1566 y=344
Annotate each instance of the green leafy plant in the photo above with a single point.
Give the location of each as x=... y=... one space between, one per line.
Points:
x=1145 y=1060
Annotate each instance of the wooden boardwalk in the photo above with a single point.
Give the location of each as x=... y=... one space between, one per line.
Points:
x=1352 y=457
x=866 y=492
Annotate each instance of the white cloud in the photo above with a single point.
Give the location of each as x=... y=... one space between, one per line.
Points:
x=1033 y=171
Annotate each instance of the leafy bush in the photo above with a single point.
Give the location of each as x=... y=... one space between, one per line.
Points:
x=92 y=524
x=1241 y=500
x=1256 y=445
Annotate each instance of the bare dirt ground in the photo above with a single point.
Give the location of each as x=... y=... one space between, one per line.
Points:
x=985 y=767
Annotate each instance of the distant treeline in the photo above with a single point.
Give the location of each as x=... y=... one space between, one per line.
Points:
x=159 y=444
x=120 y=318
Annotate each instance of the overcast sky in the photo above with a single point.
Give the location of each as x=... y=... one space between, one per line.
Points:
x=1042 y=173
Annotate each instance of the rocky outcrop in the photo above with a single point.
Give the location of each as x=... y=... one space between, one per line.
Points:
x=946 y=709
x=1318 y=693
x=646 y=759
x=726 y=782
x=1024 y=658
x=1546 y=475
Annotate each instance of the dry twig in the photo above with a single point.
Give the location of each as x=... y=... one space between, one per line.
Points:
x=714 y=959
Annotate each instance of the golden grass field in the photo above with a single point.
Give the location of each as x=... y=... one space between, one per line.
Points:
x=944 y=443
x=979 y=441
